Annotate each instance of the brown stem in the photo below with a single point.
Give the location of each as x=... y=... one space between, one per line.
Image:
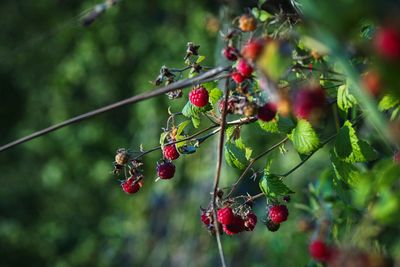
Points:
x=171 y=87
x=218 y=174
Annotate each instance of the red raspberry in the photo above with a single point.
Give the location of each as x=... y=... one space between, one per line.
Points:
x=237 y=77
x=278 y=213
x=199 y=97
x=235 y=227
x=166 y=170
x=130 y=186
x=308 y=100
x=250 y=222
x=230 y=53
x=319 y=251
x=170 y=152
x=206 y=218
x=244 y=68
x=387 y=42
x=252 y=49
x=267 y=112
x=225 y=216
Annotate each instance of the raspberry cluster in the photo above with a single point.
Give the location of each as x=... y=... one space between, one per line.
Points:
x=275 y=216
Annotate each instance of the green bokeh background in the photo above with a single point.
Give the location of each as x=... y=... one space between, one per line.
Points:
x=60 y=205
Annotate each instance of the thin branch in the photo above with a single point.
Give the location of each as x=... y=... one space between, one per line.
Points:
x=171 y=87
x=252 y=161
x=218 y=174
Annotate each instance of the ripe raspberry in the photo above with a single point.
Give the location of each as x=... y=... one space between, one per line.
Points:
x=252 y=49
x=278 y=213
x=250 y=222
x=235 y=227
x=308 y=100
x=237 y=77
x=267 y=112
x=387 y=42
x=166 y=170
x=319 y=251
x=230 y=53
x=130 y=186
x=273 y=227
x=247 y=23
x=244 y=68
x=199 y=97
x=170 y=152
x=225 y=216
x=206 y=218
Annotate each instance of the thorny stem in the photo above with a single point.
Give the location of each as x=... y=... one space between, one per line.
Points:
x=218 y=174
x=252 y=161
x=209 y=75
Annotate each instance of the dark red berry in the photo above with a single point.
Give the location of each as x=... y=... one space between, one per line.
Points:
x=387 y=42
x=252 y=49
x=206 y=218
x=319 y=251
x=244 y=68
x=199 y=97
x=235 y=227
x=250 y=222
x=237 y=77
x=170 y=152
x=166 y=170
x=230 y=53
x=225 y=216
x=271 y=226
x=278 y=213
x=130 y=186
x=231 y=105
x=307 y=101
x=267 y=112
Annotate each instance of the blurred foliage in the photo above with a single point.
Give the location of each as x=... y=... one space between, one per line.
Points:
x=60 y=204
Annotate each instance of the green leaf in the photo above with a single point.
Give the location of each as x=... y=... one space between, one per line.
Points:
x=240 y=144
x=194 y=112
x=388 y=102
x=182 y=127
x=368 y=32
x=272 y=186
x=195 y=121
x=279 y=124
x=210 y=85
x=345 y=100
x=350 y=149
x=285 y=125
x=162 y=138
x=345 y=172
x=235 y=156
x=187 y=110
x=304 y=138
x=275 y=60
x=200 y=59
x=270 y=126
x=214 y=95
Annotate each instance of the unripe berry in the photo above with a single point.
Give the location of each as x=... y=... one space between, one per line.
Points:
x=130 y=186
x=170 y=152
x=244 y=68
x=387 y=42
x=237 y=77
x=230 y=53
x=231 y=105
x=252 y=49
x=319 y=251
x=199 y=97
x=247 y=23
x=267 y=112
x=166 y=170
x=225 y=216
x=122 y=157
x=278 y=213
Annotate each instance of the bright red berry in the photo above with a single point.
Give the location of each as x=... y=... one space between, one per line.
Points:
x=166 y=170
x=267 y=112
x=206 y=218
x=319 y=251
x=130 y=186
x=237 y=226
x=225 y=216
x=307 y=101
x=237 y=77
x=252 y=49
x=170 y=152
x=250 y=222
x=230 y=53
x=387 y=42
x=278 y=213
x=199 y=97
x=244 y=68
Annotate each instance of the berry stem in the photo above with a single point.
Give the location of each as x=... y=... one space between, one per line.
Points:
x=209 y=75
